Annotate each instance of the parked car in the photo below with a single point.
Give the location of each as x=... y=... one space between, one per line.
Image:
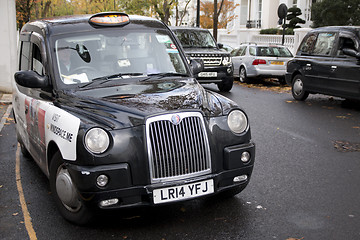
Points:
x=253 y=60
x=109 y=108
x=199 y=43
x=327 y=62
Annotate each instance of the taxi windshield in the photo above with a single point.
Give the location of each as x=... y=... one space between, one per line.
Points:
x=84 y=57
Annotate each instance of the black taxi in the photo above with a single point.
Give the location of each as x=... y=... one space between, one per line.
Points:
x=108 y=107
x=327 y=62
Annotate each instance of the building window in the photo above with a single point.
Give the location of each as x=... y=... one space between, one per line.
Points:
x=294 y=3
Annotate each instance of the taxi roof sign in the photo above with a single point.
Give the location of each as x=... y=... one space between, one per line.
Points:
x=109 y=19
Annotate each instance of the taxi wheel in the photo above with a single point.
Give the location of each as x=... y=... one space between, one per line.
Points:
x=65 y=193
x=242 y=75
x=297 y=88
x=226 y=85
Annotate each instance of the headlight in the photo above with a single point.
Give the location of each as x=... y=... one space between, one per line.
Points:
x=237 y=121
x=97 y=140
x=226 y=61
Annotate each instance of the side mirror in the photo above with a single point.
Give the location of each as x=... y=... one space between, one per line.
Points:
x=196 y=65
x=351 y=52
x=220 y=45
x=31 y=79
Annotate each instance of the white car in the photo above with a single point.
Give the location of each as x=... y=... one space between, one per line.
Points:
x=260 y=61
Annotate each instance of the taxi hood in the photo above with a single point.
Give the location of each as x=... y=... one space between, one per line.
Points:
x=128 y=104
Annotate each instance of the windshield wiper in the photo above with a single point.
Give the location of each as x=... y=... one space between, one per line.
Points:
x=164 y=74
x=117 y=75
x=108 y=78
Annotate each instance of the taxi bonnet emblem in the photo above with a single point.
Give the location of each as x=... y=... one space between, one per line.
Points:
x=175 y=119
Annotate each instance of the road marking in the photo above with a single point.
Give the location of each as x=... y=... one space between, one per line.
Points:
x=4 y=118
x=27 y=218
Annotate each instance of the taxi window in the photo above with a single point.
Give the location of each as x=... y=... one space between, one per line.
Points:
x=307 y=44
x=24 y=57
x=81 y=58
x=324 y=44
x=37 y=64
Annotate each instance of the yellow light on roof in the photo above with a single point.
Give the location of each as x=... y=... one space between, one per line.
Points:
x=110 y=19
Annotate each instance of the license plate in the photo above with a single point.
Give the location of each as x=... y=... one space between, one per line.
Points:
x=208 y=74
x=277 y=63
x=171 y=194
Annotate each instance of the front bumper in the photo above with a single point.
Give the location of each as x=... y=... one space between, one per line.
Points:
x=223 y=74
x=120 y=185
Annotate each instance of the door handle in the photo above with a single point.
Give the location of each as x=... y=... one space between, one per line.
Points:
x=308 y=65
x=333 y=68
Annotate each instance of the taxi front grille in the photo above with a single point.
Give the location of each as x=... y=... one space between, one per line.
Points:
x=177 y=150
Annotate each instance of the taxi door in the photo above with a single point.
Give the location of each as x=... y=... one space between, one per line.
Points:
x=345 y=70
x=29 y=107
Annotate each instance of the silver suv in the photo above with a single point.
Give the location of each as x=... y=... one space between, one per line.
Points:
x=252 y=60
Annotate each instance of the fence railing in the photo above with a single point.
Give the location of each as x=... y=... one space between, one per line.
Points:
x=275 y=39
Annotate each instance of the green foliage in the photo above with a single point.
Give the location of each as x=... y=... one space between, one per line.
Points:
x=277 y=31
x=335 y=12
x=293 y=18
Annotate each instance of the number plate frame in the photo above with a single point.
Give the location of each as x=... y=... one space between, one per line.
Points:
x=182 y=192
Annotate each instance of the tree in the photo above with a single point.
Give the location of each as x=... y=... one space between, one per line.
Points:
x=225 y=16
x=293 y=18
x=335 y=12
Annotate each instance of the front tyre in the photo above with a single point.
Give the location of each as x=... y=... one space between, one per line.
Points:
x=65 y=193
x=297 y=88
x=226 y=84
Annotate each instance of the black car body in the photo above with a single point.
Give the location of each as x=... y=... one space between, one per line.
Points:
x=199 y=43
x=327 y=62
x=123 y=128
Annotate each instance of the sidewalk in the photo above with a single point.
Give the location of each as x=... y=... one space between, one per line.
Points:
x=5 y=102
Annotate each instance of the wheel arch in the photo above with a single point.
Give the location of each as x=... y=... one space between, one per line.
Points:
x=51 y=150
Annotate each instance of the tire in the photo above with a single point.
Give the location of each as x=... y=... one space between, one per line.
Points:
x=242 y=75
x=297 y=88
x=226 y=85
x=68 y=202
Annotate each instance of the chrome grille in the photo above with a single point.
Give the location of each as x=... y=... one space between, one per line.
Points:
x=212 y=61
x=177 y=150
x=209 y=59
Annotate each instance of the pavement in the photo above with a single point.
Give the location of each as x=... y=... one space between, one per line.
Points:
x=5 y=106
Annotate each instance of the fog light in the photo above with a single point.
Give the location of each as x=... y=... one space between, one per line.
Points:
x=102 y=180
x=229 y=70
x=109 y=202
x=245 y=157
x=240 y=178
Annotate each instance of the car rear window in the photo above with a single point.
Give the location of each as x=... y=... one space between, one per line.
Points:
x=273 y=52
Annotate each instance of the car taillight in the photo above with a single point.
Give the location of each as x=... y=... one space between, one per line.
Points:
x=258 y=61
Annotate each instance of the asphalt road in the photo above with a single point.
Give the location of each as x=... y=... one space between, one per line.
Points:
x=305 y=183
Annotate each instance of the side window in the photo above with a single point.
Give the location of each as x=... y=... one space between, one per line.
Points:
x=345 y=42
x=36 y=61
x=252 y=51
x=324 y=44
x=24 y=56
x=307 y=44
x=243 y=51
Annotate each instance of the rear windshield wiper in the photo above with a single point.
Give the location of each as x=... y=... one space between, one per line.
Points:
x=164 y=74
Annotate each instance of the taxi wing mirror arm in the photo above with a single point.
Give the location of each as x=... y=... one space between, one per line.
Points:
x=351 y=52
